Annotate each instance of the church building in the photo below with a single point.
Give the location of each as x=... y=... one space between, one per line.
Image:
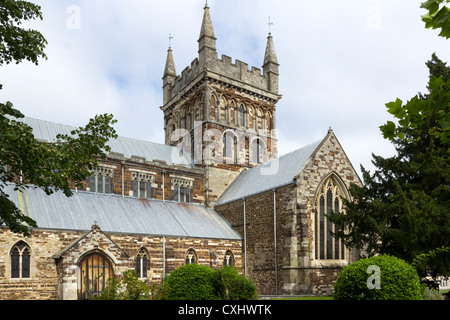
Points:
x=216 y=193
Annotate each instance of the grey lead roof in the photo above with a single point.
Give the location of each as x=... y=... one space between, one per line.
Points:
x=119 y=214
x=273 y=174
x=47 y=131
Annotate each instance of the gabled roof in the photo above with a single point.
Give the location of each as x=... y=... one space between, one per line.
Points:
x=117 y=214
x=45 y=130
x=273 y=174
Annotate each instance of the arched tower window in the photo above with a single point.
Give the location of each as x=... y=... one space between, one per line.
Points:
x=230 y=147
x=258 y=151
x=242 y=116
x=326 y=247
x=20 y=260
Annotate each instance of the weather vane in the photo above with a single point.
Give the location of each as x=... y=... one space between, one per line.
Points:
x=270 y=25
x=170 y=40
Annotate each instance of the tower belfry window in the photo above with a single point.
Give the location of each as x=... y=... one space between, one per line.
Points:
x=242 y=116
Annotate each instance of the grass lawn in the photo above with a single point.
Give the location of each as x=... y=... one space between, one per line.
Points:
x=306 y=298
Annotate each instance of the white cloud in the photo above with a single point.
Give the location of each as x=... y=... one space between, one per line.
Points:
x=340 y=63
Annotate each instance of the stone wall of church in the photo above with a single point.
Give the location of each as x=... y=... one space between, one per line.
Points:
x=259 y=230
x=54 y=259
x=330 y=160
x=298 y=270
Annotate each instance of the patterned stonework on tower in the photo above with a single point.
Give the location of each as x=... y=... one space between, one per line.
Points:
x=221 y=112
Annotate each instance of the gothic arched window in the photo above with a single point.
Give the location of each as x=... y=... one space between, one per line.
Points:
x=20 y=260
x=191 y=257
x=228 y=259
x=328 y=199
x=142 y=263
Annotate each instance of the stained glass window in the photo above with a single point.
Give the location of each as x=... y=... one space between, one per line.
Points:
x=327 y=247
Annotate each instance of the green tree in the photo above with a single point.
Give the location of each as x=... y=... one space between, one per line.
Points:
x=438 y=16
x=49 y=166
x=403 y=207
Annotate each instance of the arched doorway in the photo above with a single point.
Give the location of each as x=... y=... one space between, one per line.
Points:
x=95 y=270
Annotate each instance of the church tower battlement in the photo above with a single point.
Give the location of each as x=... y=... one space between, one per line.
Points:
x=262 y=82
x=222 y=113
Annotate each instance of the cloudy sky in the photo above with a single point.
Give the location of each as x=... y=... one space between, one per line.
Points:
x=340 y=63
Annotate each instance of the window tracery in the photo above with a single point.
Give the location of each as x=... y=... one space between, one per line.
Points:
x=326 y=246
x=20 y=260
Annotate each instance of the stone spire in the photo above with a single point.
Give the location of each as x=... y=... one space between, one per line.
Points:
x=207 y=40
x=170 y=64
x=169 y=75
x=270 y=66
x=270 y=55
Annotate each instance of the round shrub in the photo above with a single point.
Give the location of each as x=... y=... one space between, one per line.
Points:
x=234 y=286
x=191 y=282
x=378 y=278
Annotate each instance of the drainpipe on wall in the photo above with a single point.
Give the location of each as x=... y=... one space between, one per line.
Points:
x=275 y=237
x=245 y=243
x=123 y=180
x=164 y=257
x=163 y=175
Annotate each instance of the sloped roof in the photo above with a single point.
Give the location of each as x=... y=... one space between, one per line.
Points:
x=117 y=214
x=273 y=174
x=45 y=130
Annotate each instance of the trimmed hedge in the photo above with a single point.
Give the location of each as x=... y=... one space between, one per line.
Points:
x=397 y=280
x=191 y=282
x=234 y=286
x=197 y=282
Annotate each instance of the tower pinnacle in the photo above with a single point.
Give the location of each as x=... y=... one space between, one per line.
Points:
x=207 y=40
x=170 y=64
x=270 y=55
x=169 y=76
x=271 y=66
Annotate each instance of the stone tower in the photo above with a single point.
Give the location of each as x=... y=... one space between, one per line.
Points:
x=222 y=113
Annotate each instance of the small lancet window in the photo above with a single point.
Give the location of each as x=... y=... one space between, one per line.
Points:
x=190 y=257
x=20 y=260
x=142 y=263
x=228 y=259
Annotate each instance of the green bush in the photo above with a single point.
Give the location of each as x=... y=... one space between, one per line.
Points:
x=127 y=287
x=397 y=280
x=234 y=286
x=192 y=282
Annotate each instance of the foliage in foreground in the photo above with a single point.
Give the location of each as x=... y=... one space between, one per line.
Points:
x=403 y=207
x=48 y=166
x=381 y=277
x=189 y=282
